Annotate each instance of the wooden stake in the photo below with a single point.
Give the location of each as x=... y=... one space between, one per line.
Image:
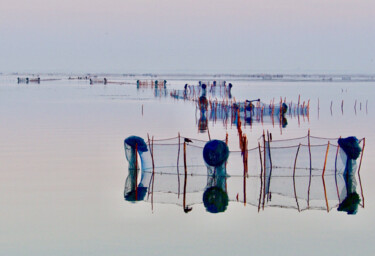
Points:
x=185 y=167
x=178 y=163
x=294 y=177
x=337 y=188
x=325 y=160
x=136 y=171
x=359 y=175
x=261 y=176
x=308 y=190
x=264 y=162
x=295 y=160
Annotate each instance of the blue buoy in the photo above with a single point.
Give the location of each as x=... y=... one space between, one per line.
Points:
x=133 y=140
x=351 y=147
x=215 y=200
x=215 y=153
x=131 y=195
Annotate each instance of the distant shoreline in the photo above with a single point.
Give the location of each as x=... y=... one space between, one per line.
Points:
x=268 y=77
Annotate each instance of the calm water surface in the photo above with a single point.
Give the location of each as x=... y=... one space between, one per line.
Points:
x=63 y=170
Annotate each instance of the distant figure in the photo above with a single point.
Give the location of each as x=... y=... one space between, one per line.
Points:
x=185 y=91
x=230 y=91
x=204 y=90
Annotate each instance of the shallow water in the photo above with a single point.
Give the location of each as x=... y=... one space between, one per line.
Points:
x=63 y=170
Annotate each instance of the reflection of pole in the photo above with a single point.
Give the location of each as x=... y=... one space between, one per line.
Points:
x=185 y=177
x=184 y=200
x=359 y=176
x=294 y=176
x=342 y=107
x=153 y=171
x=185 y=168
x=324 y=184
x=337 y=188
x=269 y=151
x=226 y=142
x=331 y=107
x=363 y=149
x=269 y=155
x=264 y=162
x=308 y=190
x=136 y=172
x=245 y=166
x=178 y=163
x=244 y=190
x=325 y=193
x=261 y=176
x=152 y=192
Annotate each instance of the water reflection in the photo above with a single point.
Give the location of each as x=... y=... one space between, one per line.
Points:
x=351 y=200
x=215 y=192
x=198 y=175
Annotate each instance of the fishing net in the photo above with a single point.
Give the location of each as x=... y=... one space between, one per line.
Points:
x=301 y=173
x=295 y=157
x=193 y=92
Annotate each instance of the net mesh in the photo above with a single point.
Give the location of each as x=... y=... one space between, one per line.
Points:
x=280 y=173
x=301 y=193
x=297 y=157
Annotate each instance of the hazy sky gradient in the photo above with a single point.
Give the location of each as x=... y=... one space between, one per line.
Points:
x=121 y=36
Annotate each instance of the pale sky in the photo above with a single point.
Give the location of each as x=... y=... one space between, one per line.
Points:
x=217 y=36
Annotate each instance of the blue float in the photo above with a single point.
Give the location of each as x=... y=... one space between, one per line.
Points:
x=135 y=140
x=215 y=153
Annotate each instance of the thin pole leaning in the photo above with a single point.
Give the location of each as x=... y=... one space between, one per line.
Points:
x=325 y=193
x=294 y=177
x=337 y=188
x=136 y=171
x=308 y=190
x=325 y=160
x=245 y=166
x=264 y=167
x=269 y=155
x=185 y=177
x=359 y=175
x=324 y=184
x=261 y=176
x=178 y=163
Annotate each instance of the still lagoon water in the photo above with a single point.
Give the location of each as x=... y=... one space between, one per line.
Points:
x=63 y=171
